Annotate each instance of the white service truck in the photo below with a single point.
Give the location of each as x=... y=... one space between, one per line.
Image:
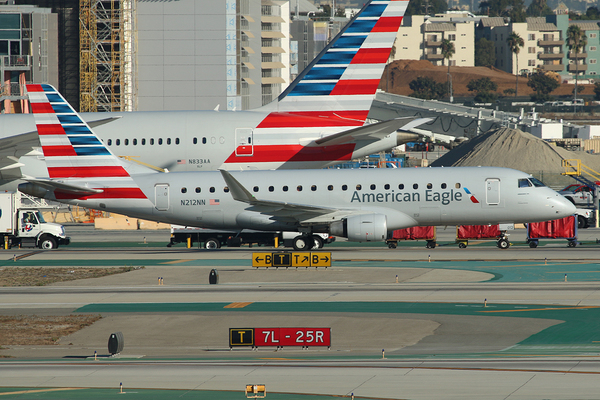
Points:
x=26 y=226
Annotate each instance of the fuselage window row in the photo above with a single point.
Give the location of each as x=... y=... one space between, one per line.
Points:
x=313 y=188
x=134 y=142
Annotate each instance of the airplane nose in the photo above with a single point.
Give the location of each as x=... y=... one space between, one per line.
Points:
x=562 y=206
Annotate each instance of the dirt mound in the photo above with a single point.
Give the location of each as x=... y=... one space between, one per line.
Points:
x=400 y=73
x=516 y=149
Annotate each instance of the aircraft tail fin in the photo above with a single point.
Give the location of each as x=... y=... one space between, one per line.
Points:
x=338 y=87
x=72 y=151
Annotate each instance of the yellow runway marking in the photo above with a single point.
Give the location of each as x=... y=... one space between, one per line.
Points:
x=542 y=309
x=176 y=261
x=39 y=391
x=238 y=305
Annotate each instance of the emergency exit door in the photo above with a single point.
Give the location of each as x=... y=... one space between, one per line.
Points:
x=492 y=191
x=162 y=197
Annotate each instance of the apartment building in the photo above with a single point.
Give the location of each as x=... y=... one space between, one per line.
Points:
x=544 y=47
x=420 y=38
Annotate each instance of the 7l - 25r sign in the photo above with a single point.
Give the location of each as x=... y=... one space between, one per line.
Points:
x=279 y=337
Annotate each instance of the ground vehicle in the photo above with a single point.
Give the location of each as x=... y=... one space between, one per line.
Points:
x=585 y=218
x=214 y=238
x=26 y=226
x=578 y=194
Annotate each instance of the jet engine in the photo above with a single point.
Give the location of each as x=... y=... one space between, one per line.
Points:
x=361 y=228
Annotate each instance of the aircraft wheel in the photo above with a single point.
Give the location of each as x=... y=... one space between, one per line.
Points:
x=503 y=244
x=430 y=244
x=212 y=243
x=462 y=245
x=317 y=242
x=302 y=242
x=392 y=245
x=47 y=243
x=572 y=243
x=533 y=245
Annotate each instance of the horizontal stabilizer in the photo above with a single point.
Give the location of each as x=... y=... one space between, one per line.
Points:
x=63 y=187
x=374 y=132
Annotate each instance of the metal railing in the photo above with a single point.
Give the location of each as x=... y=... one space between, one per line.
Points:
x=16 y=61
x=12 y=91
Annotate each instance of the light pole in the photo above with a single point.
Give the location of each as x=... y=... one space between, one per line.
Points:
x=450 y=87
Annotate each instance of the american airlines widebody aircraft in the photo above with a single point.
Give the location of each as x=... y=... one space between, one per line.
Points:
x=319 y=120
x=361 y=205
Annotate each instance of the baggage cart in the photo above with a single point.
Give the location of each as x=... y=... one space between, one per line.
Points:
x=564 y=228
x=483 y=232
x=415 y=233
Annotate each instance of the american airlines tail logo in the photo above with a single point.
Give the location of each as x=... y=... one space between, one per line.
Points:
x=473 y=198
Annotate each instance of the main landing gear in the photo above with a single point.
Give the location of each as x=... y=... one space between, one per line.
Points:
x=307 y=242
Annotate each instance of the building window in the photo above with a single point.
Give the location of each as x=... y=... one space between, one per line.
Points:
x=531 y=50
x=451 y=37
x=593 y=35
x=531 y=36
x=593 y=48
x=531 y=63
x=592 y=61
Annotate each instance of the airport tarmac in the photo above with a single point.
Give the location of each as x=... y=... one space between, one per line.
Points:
x=476 y=322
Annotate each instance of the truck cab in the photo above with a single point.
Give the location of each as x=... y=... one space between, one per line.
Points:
x=35 y=231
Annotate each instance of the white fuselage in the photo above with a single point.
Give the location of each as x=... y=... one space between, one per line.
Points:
x=407 y=197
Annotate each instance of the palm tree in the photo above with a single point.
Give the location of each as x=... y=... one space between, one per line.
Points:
x=576 y=40
x=515 y=42
x=448 y=52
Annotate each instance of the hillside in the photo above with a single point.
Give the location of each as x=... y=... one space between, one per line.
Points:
x=402 y=72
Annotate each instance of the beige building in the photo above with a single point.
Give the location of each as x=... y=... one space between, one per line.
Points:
x=420 y=38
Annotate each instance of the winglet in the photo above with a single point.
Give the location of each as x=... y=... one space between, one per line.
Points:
x=237 y=190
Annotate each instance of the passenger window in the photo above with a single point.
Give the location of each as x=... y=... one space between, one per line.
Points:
x=203 y=140
x=195 y=141
x=143 y=142
x=386 y=186
x=358 y=187
x=271 y=188
x=159 y=141
x=255 y=189
x=373 y=187
x=444 y=186
x=109 y=142
x=126 y=141
x=226 y=189
x=401 y=186
x=313 y=188
x=198 y=190
x=169 y=141
x=299 y=188
x=176 y=140
x=285 y=188
x=118 y=142
x=457 y=185
x=183 y=190
x=152 y=142
x=212 y=190
x=429 y=186
x=415 y=185
x=344 y=187
x=135 y=142
x=330 y=188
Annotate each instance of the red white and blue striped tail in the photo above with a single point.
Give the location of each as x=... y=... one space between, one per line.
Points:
x=337 y=89
x=72 y=151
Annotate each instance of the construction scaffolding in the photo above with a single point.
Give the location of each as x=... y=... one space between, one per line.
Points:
x=107 y=45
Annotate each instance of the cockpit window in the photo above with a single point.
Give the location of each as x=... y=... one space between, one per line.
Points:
x=537 y=182
x=523 y=183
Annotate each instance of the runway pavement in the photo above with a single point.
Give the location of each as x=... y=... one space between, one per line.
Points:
x=478 y=322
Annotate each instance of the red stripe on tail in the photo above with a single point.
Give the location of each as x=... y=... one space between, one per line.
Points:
x=371 y=56
x=58 y=151
x=42 y=108
x=353 y=87
x=387 y=24
x=87 y=172
x=309 y=119
x=50 y=129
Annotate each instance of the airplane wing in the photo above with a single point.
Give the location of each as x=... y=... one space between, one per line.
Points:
x=375 y=131
x=11 y=149
x=305 y=214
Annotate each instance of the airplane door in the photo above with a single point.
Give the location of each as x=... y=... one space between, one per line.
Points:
x=162 y=197
x=244 y=142
x=493 y=191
